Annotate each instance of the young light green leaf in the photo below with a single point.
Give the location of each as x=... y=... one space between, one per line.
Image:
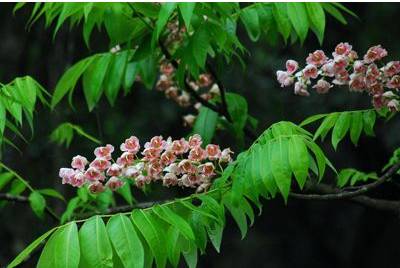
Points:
x=125 y=240
x=369 y=118
x=326 y=125
x=280 y=166
x=67 y=251
x=52 y=193
x=5 y=178
x=205 y=124
x=38 y=203
x=341 y=127
x=95 y=245
x=114 y=76
x=282 y=20
x=249 y=17
x=316 y=15
x=299 y=159
x=356 y=126
x=298 y=16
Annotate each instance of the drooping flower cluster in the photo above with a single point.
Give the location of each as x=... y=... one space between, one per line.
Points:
x=369 y=74
x=174 y=162
x=167 y=84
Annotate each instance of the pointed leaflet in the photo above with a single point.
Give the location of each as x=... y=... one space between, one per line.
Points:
x=145 y=223
x=200 y=43
x=174 y=251
x=69 y=79
x=341 y=127
x=168 y=215
x=299 y=159
x=67 y=251
x=28 y=250
x=263 y=157
x=326 y=125
x=95 y=245
x=319 y=156
x=163 y=16
x=356 y=126
x=237 y=213
x=312 y=119
x=93 y=79
x=186 y=10
x=5 y=178
x=249 y=17
x=369 y=118
x=190 y=254
x=2 y=119
x=328 y=7
x=125 y=241
x=298 y=16
x=279 y=11
x=114 y=75
x=317 y=19
x=280 y=165
x=344 y=176
x=38 y=203
x=237 y=108
x=205 y=124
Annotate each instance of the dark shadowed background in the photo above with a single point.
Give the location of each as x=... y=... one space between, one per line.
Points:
x=301 y=234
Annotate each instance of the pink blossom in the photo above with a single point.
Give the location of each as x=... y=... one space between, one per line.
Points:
x=92 y=174
x=79 y=162
x=207 y=169
x=373 y=73
x=78 y=180
x=359 y=67
x=342 y=49
x=156 y=142
x=394 y=82
x=151 y=153
x=154 y=168
x=96 y=187
x=205 y=80
x=226 y=155
x=197 y=154
x=375 y=87
x=291 y=66
x=173 y=168
x=170 y=179
x=191 y=180
x=168 y=157
x=187 y=166
x=353 y=55
x=140 y=181
x=167 y=69
x=284 y=78
x=340 y=62
x=195 y=141
x=180 y=146
x=100 y=164
x=375 y=53
x=67 y=174
x=392 y=68
x=329 y=68
x=213 y=151
x=341 y=77
x=134 y=171
x=389 y=95
x=393 y=105
x=322 y=86
x=357 y=82
x=114 y=183
x=114 y=170
x=125 y=159
x=104 y=152
x=301 y=89
x=131 y=145
x=317 y=58
x=379 y=101
x=310 y=71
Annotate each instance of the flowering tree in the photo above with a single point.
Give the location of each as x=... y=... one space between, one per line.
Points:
x=181 y=49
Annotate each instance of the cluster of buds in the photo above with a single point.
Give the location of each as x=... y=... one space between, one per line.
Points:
x=167 y=84
x=180 y=162
x=369 y=74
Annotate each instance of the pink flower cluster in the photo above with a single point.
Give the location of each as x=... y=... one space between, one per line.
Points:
x=368 y=74
x=174 y=162
x=167 y=84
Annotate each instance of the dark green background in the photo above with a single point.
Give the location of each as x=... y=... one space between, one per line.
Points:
x=303 y=234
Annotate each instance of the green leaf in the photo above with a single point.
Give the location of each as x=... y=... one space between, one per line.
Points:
x=298 y=16
x=186 y=9
x=168 y=215
x=326 y=125
x=72 y=205
x=249 y=17
x=94 y=242
x=130 y=76
x=145 y=223
x=163 y=16
x=201 y=44
x=334 y=12
x=93 y=79
x=341 y=127
x=2 y=119
x=5 y=178
x=369 y=118
x=238 y=215
x=319 y=156
x=115 y=75
x=173 y=245
x=38 y=203
x=299 y=159
x=52 y=193
x=205 y=124
x=282 y=20
x=215 y=232
x=67 y=252
x=317 y=19
x=238 y=110
x=28 y=250
x=125 y=192
x=280 y=166
x=356 y=126
x=125 y=240
x=69 y=80
x=312 y=119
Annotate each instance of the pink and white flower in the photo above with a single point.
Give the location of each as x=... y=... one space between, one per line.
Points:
x=213 y=152
x=104 y=152
x=131 y=145
x=114 y=183
x=96 y=187
x=114 y=170
x=195 y=141
x=317 y=58
x=66 y=174
x=322 y=86
x=375 y=53
x=100 y=164
x=310 y=71
x=126 y=159
x=197 y=154
x=79 y=162
x=92 y=174
x=291 y=66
